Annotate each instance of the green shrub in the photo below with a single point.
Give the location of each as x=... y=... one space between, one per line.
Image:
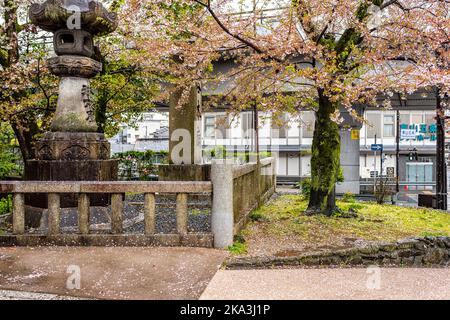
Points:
x=5 y=205
x=348 y=197
x=220 y=152
x=305 y=187
x=140 y=164
x=239 y=246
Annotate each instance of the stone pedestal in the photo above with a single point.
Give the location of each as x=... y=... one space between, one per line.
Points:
x=70 y=156
x=184 y=172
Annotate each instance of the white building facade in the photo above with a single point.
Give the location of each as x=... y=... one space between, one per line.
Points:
x=291 y=142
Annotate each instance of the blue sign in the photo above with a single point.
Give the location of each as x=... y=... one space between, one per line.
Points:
x=376 y=147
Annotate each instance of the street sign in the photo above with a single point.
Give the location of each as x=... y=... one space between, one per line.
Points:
x=376 y=147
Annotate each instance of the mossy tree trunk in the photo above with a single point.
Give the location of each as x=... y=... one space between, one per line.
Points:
x=325 y=159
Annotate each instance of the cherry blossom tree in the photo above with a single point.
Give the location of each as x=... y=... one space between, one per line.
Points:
x=290 y=56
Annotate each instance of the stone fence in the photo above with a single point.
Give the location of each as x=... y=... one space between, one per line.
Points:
x=116 y=236
x=235 y=191
x=240 y=189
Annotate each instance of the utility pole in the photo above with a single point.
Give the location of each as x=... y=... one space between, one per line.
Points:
x=397 y=150
x=397 y=153
x=375 y=168
x=441 y=170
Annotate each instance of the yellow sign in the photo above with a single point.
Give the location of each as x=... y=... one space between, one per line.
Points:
x=354 y=134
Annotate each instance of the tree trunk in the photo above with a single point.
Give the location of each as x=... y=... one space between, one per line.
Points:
x=325 y=159
x=25 y=132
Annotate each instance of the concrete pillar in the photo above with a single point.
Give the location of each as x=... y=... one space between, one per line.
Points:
x=349 y=163
x=222 y=220
x=185 y=145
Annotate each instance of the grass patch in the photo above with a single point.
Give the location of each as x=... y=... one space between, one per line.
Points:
x=282 y=221
x=237 y=248
x=198 y=212
x=256 y=215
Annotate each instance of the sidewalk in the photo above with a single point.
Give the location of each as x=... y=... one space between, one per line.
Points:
x=394 y=283
x=108 y=272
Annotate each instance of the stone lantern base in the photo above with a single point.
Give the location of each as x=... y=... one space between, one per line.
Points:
x=71 y=156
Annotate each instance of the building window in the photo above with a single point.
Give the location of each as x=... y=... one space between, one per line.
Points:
x=373 y=125
x=419 y=172
x=388 y=126
x=430 y=118
x=148 y=117
x=279 y=123
x=404 y=118
x=210 y=127
x=221 y=122
x=416 y=118
x=247 y=124
x=307 y=123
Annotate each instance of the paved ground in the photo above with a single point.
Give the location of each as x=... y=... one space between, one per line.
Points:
x=25 y=295
x=394 y=283
x=111 y=273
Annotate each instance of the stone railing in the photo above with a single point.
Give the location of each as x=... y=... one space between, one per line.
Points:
x=116 y=236
x=238 y=189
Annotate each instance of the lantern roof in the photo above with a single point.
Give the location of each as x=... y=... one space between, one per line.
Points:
x=88 y=15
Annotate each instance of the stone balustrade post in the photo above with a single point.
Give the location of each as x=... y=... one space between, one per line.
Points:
x=54 y=212
x=83 y=213
x=116 y=213
x=149 y=213
x=18 y=213
x=182 y=213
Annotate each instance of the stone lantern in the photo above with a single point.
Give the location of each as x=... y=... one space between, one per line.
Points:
x=73 y=150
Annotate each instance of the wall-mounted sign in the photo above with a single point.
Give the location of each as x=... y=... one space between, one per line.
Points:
x=390 y=172
x=408 y=134
x=354 y=134
x=419 y=132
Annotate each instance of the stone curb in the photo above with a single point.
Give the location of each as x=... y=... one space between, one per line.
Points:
x=417 y=252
